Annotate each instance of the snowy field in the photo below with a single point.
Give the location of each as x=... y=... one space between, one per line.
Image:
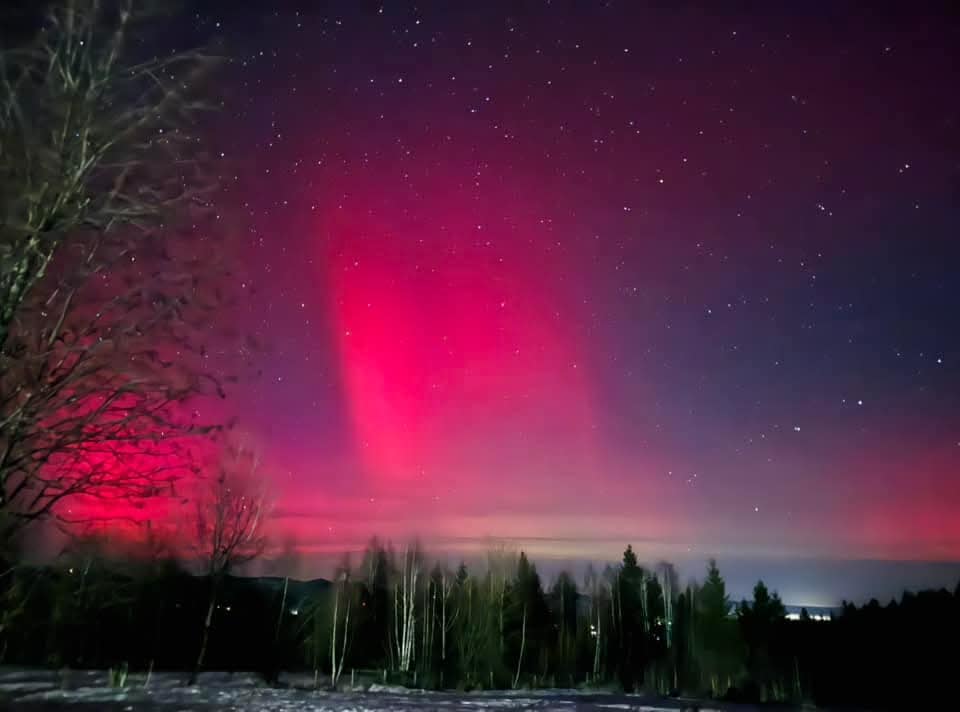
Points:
x=43 y=690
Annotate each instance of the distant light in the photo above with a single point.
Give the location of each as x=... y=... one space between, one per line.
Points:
x=294 y=612
x=819 y=617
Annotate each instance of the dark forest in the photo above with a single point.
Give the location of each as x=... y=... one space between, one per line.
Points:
x=398 y=619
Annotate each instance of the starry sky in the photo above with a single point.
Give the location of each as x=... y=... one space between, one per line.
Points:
x=577 y=274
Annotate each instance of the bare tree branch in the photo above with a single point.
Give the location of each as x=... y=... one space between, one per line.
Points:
x=109 y=279
x=230 y=517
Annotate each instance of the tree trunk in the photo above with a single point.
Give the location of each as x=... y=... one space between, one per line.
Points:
x=523 y=642
x=425 y=635
x=336 y=669
x=275 y=672
x=407 y=604
x=343 y=644
x=283 y=605
x=396 y=622
x=563 y=625
x=503 y=590
x=206 y=634
x=668 y=608
x=443 y=619
x=596 y=650
x=333 y=638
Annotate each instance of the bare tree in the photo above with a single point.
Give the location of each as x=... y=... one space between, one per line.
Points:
x=230 y=513
x=669 y=584
x=594 y=586
x=523 y=643
x=102 y=298
x=342 y=599
x=405 y=604
x=283 y=564
x=612 y=582
x=448 y=582
x=428 y=616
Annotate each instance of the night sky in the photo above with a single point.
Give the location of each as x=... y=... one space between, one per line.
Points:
x=583 y=274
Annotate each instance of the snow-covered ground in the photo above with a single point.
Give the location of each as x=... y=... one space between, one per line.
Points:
x=45 y=690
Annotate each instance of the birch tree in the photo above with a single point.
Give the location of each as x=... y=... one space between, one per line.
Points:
x=477 y=634
x=375 y=621
x=428 y=636
x=284 y=564
x=448 y=619
x=527 y=608
x=342 y=603
x=615 y=637
x=523 y=644
x=405 y=605
x=594 y=587
x=669 y=585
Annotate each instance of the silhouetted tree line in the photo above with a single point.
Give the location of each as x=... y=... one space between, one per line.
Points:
x=397 y=618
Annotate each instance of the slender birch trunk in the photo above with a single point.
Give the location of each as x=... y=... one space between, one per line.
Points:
x=207 y=622
x=405 y=606
x=343 y=643
x=443 y=618
x=396 y=623
x=283 y=605
x=276 y=634
x=333 y=638
x=596 y=649
x=428 y=624
x=336 y=669
x=503 y=591
x=523 y=642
